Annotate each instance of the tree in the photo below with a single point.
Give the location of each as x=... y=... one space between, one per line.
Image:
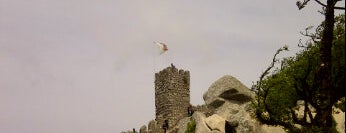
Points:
x=315 y=76
x=327 y=91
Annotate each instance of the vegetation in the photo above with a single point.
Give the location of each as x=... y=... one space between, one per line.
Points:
x=315 y=77
x=327 y=93
x=295 y=79
x=191 y=126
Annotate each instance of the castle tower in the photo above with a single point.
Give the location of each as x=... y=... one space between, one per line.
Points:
x=172 y=95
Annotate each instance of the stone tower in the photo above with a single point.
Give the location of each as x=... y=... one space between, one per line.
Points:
x=172 y=95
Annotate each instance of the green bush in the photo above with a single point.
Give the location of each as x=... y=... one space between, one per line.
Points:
x=191 y=126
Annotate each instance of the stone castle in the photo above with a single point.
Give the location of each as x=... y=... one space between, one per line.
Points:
x=172 y=95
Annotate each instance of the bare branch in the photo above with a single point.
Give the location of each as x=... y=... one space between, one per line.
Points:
x=307 y=34
x=324 y=5
x=300 y=44
x=273 y=62
x=339 y=8
x=301 y=5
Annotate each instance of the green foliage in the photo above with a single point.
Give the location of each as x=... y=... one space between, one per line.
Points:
x=338 y=55
x=191 y=126
x=281 y=86
x=281 y=95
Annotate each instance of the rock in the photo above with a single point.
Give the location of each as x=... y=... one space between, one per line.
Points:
x=182 y=124
x=244 y=122
x=216 y=102
x=230 y=99
x=229 y=89
x=143 y=129
x=228 y=109
x=232 y=123
x=231 y=126
x=216 y=131
x=215 y=122
x=238 y=117
x=273 y=129
x=340 y=120
x=202 y=108
x=201 y=127
x=152 y=127
x=174 y=130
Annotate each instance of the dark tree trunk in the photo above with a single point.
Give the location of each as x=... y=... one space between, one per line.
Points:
x=325 y=102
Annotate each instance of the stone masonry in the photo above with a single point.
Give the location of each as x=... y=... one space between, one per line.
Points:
x=172 y=95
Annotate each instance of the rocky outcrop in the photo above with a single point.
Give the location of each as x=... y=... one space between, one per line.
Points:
x=229 y=99
x=227 y=110
x=228 y=89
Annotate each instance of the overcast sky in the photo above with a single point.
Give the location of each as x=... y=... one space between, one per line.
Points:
x=87 y=66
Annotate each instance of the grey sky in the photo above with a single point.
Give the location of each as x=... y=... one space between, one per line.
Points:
x=83 y=66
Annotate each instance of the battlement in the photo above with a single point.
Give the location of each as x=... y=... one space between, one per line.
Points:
x=172 y=70
x=172 y=95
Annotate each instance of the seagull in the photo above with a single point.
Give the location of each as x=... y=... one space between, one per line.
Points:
x=163 y=47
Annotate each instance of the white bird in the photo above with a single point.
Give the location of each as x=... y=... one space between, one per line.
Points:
x=162 y=46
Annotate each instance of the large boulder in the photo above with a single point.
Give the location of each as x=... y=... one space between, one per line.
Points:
x=230 y=99
x=201 y=127
x=228 y=89
x=215 y=122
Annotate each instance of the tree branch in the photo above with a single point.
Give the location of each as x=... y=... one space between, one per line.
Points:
x=260 y=97
x=301 y=5
x=266 y=72
x=312 y=36
x=324 y=5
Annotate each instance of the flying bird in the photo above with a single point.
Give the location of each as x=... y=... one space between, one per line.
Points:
x=162 y=46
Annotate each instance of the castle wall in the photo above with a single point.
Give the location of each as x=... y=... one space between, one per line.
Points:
x=172 y=95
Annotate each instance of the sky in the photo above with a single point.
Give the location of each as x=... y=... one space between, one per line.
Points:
x=87 y=66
